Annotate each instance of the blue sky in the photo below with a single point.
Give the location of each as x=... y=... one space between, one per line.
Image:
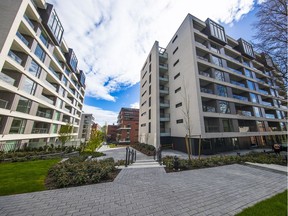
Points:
x=112 y=38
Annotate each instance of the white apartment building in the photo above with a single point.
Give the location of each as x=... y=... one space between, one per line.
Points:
x=41 y=87
x=213 y=87
x=85 y=127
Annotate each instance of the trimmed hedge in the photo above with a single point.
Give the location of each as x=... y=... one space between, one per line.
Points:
x=185 y=164
x=77 y=172
x=146 y=149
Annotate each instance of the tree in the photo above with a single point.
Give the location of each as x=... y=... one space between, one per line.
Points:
x=65 y=133
x=271 y=34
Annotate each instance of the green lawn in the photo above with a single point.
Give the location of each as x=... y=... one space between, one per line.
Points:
x=276 y=205
x=23 y=177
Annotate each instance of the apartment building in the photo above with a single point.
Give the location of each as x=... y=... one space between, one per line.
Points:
x=41 y=87
x=209 y=86
x=85 y=127
x=112 y=133
x=128 y=121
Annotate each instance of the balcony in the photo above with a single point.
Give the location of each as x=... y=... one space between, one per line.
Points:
x=200 y=44
x=209 y=108
x=204 y=74
x=48 y=100
x=233 y=59
x=164 y=78
x=266 y=103
x=270 y=116
x=29 y=21
x=164 y=103
x=44 y=114
x=164 y=132
x=163 y=90
x=54 y=72
x=22 y=38
x=239 y=97
x=15 y=57
x=163 y=67
x=164 y=117
x=238 y=83
x=7 y=79
x=3 y=104
x=206 y=90
x=54 y=87
x=244 y=113
x=202 y=58
x=40 y=130
x=263 y=91
x=260 y=80
x=235 y=71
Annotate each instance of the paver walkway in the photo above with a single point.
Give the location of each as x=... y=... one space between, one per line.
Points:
x=214 y=191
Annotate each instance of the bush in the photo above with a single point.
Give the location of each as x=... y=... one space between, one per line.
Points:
x=146 y=149
x=74 y=172
x=93 y=154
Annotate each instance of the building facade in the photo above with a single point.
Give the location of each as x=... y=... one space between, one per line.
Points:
x=41 y=85
x=85 y=128
x=209 y=86
x=128 y=121
x=112 y=133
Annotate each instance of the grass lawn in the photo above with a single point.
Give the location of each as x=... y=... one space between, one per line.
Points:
x=23 y=177
x=276 y=205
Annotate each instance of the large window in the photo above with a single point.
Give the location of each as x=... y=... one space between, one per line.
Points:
x=251 y=85
x=260 y=125
x=248 y=73
x=39 y=52
x=29 y=86
x=57 y=115
x=55 y=26
x=73 y=61
x=222 y=91
x=217 y=61
x=227 y=125
x=217 y=31
x=35 y=69
x=24 y=105
x=17 y=126
x=44 y=38
x=224 y=107
x=257 y=111
x=219 y=75
x=254 y=98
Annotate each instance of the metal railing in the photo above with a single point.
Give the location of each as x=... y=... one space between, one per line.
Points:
x=270 y=116
x=130 y=156
x=203 y=58
x=266 y=103
x=263 y=92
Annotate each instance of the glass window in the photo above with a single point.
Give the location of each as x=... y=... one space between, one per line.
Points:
x=224 y=107
x=257 y=111
x=17 y=126
x=222 y=90
x=254 y=98
x=44 y=38
x=64 y=80
x=39 y=52
x=55 y=26
x=248 y=73
x=29 y=86
x=35 y=69
x=57 y=115
x=279 y=116
x=251 y=85
x=54 y=128
x=219 y=75
x=283 y=126
x=227 y=125
x=59 y=103
x=73 y=61
x=178 y=121
x=215 y=48
x=260 y=125
x=217 y=61
x=24 y=105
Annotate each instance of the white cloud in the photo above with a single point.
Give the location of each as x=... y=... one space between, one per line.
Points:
x=112 y=38
x=135 y=105
x=101 y=116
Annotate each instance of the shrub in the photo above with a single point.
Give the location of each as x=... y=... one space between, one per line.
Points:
x=144 y=148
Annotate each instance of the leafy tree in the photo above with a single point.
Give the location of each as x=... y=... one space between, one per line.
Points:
x=65 y=133
x=271 y=34
x=96 y=139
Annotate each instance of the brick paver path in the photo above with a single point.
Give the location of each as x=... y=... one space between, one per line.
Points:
x=215 y=191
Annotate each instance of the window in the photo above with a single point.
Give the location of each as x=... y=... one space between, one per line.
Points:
x=55 y=26
x=149 y=115
x=143 y=125
x=44 y=38
x=149 y=127
x=149 y=68
x=248 y=73
x=179 y=121
x=149 y=101
x=149 y=89
x=149 y=78
x=57 y=116
x=174 y=38
x=144 y=93
x=178 y=105
x=227 y=125
x=24 y=105
x=260 y=125
x=64 y=80
x=143 y=103
x=17 y=126
x=54 y=128
x=144 y=74
x=61 y=91
x=222 y=90
x=215 y=48
x=176 y=76
x=176 y=63
x=257 y=111
x=279 y=116
x=251 y=85
x=73 y=61
x=175 y=50
x=254 y=98
x=178 y=89
x=219 y=75
x=39 y=52
x=143 y=114
x=59 y=103
x=35 y=69
x=29 y=86
x=217 y=61
x=224 y=107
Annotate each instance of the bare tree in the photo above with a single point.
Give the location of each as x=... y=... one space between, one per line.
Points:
x=271 y=34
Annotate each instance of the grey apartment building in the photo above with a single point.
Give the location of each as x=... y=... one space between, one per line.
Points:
x=41 y=87
x=85 y=128
x=213 y=87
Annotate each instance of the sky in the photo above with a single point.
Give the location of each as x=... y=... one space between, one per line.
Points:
x=112 y=38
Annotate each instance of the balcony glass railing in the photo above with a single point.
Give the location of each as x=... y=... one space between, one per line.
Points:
x=270 y=116
x=44 y=114
x=54 y=72
x=3 y=104
x=22 y=38
x=7 y=79
x=244 y=113
x=235 y=71
x=204 y=74
x=163 y=88
x=261 y=81
x=203 y=58
x=164 y=102
x=240 y=97
x=164 y=115
x=200 y=44
x=206 y=90
x=15 y=57
x=165 y=66
x=263 y=92
x=48 y=100
x=274 y=129
x=29 y=21
x=39 y=130
x=238 y=83
x=266 y=103
x=51 y=85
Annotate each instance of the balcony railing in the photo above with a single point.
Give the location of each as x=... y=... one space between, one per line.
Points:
x=235 y=71
x=240 y=97
x=266 y=103
x=51 y=85
x=7 y=79
x=244 y=113
x=209 y=108
x=204 y=74
x=48 y=100
x=29 y=21
x=3 y=104
x=270 y=116
x=200 y=44
x=163 y=66
x=233 y=59
x=263 y=92
x=44 y=114
x=164 y=102
x=39 y=130
x=54 y=72
x=203 y=58
x=261 y=81
x=274 y=129
x=238 y=83
x=206 y=90
x=15 y=57
x=22 y=38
